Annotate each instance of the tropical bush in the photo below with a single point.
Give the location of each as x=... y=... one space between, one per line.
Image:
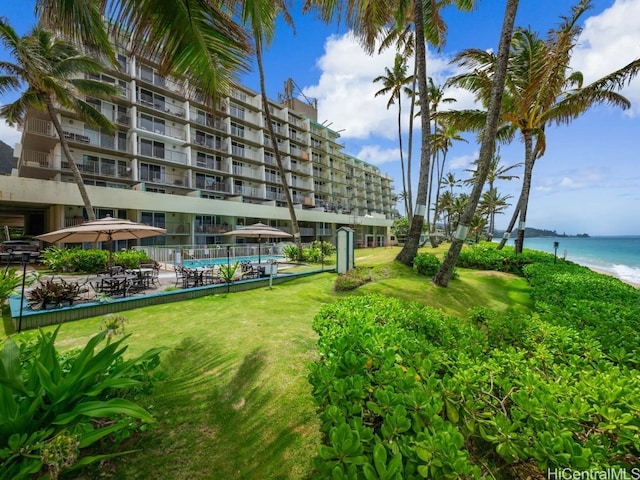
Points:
x=290 y=252
x=130 y=258
x=53 y=292
x=406 y=392
x=326 y=249
x=318 y=252
x=353 y=279
x=79 y=260
x=54 y=407
x=75 y=259
x=426 y=264
x=485 y=256
x=11 y=280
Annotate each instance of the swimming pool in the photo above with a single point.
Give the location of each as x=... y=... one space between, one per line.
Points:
x=206 y=262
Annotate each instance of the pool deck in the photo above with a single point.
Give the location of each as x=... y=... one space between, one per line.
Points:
x=88 y=306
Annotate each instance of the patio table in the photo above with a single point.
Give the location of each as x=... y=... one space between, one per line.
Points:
x=114 y=285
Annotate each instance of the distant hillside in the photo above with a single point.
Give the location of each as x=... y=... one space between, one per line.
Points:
x=540 y=232
x=7 y=162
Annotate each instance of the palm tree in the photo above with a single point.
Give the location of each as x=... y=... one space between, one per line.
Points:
x=50 y=68
x=492 y=204
x=442 y=140
x=395 y=83
x=490 y=131
x=194 y=39
x=260 y=16
x=542 y=90
x=496 y=172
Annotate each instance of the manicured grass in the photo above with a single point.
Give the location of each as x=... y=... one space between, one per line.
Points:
x=235 y=402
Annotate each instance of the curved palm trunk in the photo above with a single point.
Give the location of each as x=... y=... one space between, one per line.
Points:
x=404 y=181
x=436 y=207
x=410 y=249
x=487 y=149
x=512 y=223
x=526 y=189
x=410 y=146
x=72 y=164
x=430 y=225
x=283 y=177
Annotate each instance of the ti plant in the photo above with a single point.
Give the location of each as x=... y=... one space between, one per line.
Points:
x=49 y=404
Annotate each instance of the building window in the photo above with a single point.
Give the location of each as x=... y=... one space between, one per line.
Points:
x=151 y=148
x=237 y=111
x=237 y=130
x=152 y=173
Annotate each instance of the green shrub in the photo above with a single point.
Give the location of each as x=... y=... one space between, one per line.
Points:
x=353 y=279
x=75 y=259
x=325 y=248
x=290 y=252
x=403 y=388
x=130 y=258
x=427 y=264
x=51 y=403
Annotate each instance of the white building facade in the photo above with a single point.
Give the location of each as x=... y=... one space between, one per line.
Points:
x=194 y=168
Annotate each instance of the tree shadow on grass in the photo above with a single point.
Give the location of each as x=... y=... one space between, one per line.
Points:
x=218 y=418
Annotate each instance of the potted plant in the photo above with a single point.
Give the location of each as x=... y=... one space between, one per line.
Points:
x=53 y=294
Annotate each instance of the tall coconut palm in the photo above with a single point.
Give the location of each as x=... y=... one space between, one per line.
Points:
x=496 y=172
x=541 y=90
x=395 y=85
x=52 y=70
x=260 y=17
x=442 y=141
x=492 y=204
x=487 y=149
x=194 y=39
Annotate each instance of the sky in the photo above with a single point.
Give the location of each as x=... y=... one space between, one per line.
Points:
x=588 y=181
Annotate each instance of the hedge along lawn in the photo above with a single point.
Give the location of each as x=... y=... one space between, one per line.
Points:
x=235 y=401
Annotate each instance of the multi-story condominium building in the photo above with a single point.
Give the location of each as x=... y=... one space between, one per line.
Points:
x=196 y=168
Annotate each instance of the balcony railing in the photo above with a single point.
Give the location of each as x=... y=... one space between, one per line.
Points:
x=40 y=127
x=96 y=138
x=248 y=191
x=112 y=171
x=162 y=106
x=213 y=144
x=210 y=164
x=163 y=154
x=166 y=130
x=212 y=186
x=32 y=158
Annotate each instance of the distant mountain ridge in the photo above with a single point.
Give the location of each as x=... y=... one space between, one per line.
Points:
x=7 y=162
x=539 y=232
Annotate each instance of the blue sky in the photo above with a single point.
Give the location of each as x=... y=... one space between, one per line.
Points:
x=588 y=180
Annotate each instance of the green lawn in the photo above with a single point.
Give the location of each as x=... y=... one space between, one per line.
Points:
x=235 y=402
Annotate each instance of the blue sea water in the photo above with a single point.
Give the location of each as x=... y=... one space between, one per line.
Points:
x=618 y=256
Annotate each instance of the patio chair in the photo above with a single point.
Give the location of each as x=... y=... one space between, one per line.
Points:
x=179 y=269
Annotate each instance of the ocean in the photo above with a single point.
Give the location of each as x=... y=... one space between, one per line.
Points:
x=618 y=256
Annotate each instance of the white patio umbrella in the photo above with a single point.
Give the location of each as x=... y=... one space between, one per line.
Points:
x=259 y=231
x=102 y=230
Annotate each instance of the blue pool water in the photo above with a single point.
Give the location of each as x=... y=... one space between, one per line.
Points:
x=207 y=262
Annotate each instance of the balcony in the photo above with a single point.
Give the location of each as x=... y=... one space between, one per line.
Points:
x=160 y=105
x=32 y=158
x=168 y=131
x=96 y=138
x=247 y=191
x=212 y=186
x=209 y=142
x=112 y=171
x=162 y=154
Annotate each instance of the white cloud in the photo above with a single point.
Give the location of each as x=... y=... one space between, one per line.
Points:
x=608 y=42
x=376 y=155
x=346 y=91
x=9 y=135
x=463 y=162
